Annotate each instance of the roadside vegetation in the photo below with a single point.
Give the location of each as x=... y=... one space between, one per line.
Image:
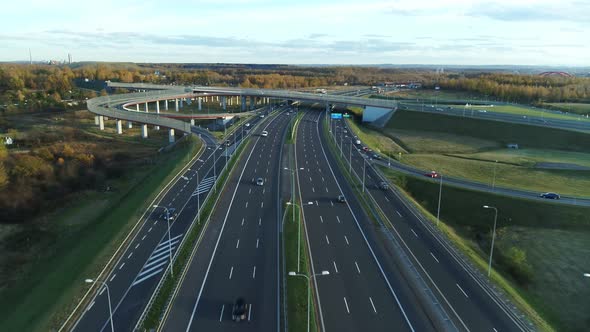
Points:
x=540 y=247
x=95 y=201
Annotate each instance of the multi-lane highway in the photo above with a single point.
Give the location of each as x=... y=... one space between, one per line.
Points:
x=239 y=252
x=363 y=291
x=465 y=294
x=146 y=258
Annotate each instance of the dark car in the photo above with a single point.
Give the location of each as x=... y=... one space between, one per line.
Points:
x=550 y=196
x=375 y=156
x=383 y=185
x=171 y=214
x=240 y=310
x=341 y=199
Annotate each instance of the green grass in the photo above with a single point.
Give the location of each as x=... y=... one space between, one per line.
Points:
x=161 y=299
x=512 y=109
x=438 y=142
x=501 y=132
x=374 y=140
x=542 y=229
x=432 y=94
x=579 y=108
x=296 y=286
x=559 y=258
x=43 y=298
x=508 y=175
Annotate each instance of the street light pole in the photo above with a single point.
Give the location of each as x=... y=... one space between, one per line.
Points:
x=169 y=238
x=91 y=281
x=294 y=274
x=493 y=237
x=439 y=199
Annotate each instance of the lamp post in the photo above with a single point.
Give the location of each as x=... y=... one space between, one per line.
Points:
x=169 y=241
x=294 y=274
x=91 y=281
x=493 y=237
x=439 y=199
x=364 y=171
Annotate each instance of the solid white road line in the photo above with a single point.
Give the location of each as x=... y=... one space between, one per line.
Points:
x=221 y=315
x=431 y=254
x=372 y=304
x=346 y=304
x=462 y=291
x=357 y=267
x=345 y=238
x=231 y=271
x=335 y=267
x=250 y=312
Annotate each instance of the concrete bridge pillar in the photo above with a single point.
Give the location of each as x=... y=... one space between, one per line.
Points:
x=147 y=109
x=96 y=120
x=158 y=112
x=224 y=102
x=101 y=122
x=181 y=102
x=192 y=122
x=176 y=104
x=200 y=104
x=243 y=103
x=119 y=127
x=129 y=124
x=217 y=98
x=171 y=135
x=144 y=131
x=166 y=104
x=137 y=107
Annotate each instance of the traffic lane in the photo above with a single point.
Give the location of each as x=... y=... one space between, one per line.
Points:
x=232 y=273
x=148 y=271
x=130 y=262
x=395 y=280
x=183 y=303
x=475 y=310
x=328 y=233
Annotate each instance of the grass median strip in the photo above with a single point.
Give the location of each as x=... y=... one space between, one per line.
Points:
x=297 y=287
x=163 y=297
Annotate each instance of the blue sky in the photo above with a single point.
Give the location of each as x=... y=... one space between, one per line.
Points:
x=525 y=32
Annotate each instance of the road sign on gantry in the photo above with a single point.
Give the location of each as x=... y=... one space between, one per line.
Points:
x=336 y=115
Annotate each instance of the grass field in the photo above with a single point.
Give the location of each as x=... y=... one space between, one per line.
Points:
x=437 y=142
x=554 y=238
x=514 y=109
x=432 y=94
x=376 y=141
x=579 y=108
x=86 y=236
x=503 y=133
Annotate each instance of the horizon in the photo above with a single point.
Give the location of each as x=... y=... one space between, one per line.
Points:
x=449 y=32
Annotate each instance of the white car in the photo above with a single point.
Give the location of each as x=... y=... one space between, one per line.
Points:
x=247 y=124
x=264 y=133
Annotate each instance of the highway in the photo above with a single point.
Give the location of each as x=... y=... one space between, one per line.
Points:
x=364 y=291
x=238 y=255
x=386 y=161
x=140 y=267
x=465 y=293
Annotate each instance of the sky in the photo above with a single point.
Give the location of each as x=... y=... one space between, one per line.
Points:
x=460 y=32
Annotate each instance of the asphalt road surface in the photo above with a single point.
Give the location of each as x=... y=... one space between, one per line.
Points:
x=238 y=255
x=465 y=294
x=363 y=291
x=141 y=266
